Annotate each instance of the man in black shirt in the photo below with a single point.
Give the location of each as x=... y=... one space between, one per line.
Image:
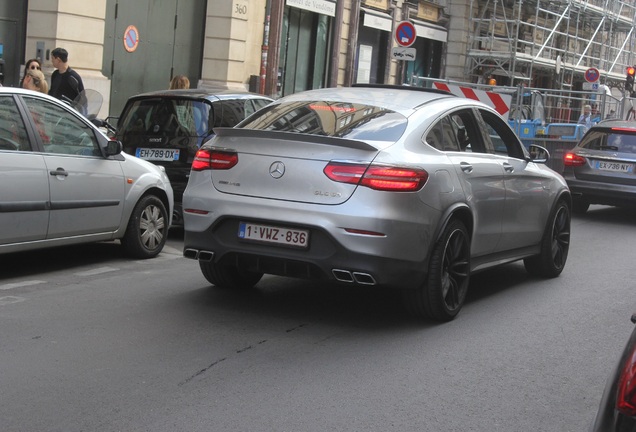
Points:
x=66 y=84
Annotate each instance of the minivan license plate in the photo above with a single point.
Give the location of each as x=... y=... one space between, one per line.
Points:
x=158 y=154
x=615 y=166
x=274 y=234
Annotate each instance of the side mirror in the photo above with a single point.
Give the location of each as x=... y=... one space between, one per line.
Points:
x=539 y=154
x=97 y=122
x=113 y=148
x=105 y=126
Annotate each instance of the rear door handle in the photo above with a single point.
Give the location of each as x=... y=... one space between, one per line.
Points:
x=507 y=167
x=466 y=167
x=59 y=172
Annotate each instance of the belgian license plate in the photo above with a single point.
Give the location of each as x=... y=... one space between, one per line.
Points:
x=158 y=154
x=274 y=234
x=615 y=166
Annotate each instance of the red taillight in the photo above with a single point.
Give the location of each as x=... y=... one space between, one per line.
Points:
x=214 y=159
x=384 y=178
x=626 y=395
x=571 y=159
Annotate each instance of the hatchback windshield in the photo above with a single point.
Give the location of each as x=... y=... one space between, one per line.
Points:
x=337 y=119
x=163 y=116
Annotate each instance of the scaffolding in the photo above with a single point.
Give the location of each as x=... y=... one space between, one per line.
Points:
x=551 y=44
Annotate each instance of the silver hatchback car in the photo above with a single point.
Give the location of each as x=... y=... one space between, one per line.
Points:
x=391 y=186
x=63 y=182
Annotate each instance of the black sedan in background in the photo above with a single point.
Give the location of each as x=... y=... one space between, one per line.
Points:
x=617 y=412
x=167 y=127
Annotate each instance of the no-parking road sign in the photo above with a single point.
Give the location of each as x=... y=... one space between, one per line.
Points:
x=131 y=38
x=592 y=75
x=405 y=34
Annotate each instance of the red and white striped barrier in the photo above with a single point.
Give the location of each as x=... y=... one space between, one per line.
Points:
x=500 y=102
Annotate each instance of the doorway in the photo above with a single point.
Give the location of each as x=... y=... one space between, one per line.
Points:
x=149 y=41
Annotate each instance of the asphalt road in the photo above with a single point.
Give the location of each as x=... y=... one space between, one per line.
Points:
x=90 y=341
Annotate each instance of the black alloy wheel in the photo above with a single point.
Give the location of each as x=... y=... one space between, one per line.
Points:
x=555 y=245
x=444 y=293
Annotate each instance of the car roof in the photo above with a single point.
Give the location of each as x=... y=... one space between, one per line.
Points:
x=402 y=99
x=201 y=93
x=613 y=123
x=18 y=90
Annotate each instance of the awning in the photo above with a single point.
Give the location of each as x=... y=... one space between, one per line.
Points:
x=377 y=20
x=430 y=31
x=325 y=7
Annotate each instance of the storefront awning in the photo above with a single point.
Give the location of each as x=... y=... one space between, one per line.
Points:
x=430 y=31
x=377 y=20
x=325 y=7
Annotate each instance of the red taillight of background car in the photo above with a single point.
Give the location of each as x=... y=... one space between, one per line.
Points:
x=571 y=159
x=626 y=393
x=206 y=159
x=384 y=178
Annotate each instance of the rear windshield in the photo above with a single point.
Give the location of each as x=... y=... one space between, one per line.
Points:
x=336 y=119
x=162 y=116
x=610 y=140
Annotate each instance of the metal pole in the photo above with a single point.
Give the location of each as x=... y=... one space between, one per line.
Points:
x=273 y=51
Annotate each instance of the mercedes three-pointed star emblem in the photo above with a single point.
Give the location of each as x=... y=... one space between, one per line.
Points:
x=277 y=169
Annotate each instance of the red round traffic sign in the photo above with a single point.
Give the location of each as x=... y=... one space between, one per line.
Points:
x=131 y=38
x=405 y=34
x=592 y=75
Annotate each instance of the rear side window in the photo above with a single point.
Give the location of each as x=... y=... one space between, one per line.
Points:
x=230 y=112
x=13 y=134
x=610 y=140
x=163 y=116
x=328 y=118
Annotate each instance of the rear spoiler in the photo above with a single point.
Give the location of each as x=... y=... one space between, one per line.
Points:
x=293 y=136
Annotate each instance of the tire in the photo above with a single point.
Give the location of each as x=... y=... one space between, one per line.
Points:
x=555 y=245
x=444 y=292
x=579 y=206
x=228 y=276
x=147 y=228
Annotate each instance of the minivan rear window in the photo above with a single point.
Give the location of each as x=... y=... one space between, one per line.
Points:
x=165 y=116
x=329 y=118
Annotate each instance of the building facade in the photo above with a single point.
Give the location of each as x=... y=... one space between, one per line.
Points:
x=279 y=47
x=275 y=47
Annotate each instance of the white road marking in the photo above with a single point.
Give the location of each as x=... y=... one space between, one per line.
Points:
x=96 y=271
x=10 y=299
x=21 y=284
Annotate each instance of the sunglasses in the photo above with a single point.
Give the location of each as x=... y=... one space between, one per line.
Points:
x=32 y=67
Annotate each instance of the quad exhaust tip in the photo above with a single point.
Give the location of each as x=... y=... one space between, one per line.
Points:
x=353 y=277
x=341 y=275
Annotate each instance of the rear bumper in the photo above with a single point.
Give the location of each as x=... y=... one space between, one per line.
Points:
x=325 y=259
x=602 y=193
